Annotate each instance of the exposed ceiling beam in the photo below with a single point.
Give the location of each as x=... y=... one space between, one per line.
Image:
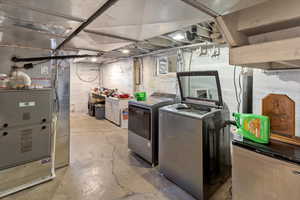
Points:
x=196 y=4
x=43 y=11
x=109 y=35
x=81 y=49
x=172 y=40
x=142 y=49
x=99 y=12
x=25 y=47
x=156 y=44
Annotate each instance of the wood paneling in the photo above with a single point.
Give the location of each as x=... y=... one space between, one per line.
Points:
x=281 y=111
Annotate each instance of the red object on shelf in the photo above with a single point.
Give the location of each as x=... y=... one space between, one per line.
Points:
x=124 y=96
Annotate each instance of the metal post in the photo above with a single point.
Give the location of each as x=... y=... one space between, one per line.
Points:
x=247 y=98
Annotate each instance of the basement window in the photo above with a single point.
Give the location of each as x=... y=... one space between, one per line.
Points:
x=166 y=65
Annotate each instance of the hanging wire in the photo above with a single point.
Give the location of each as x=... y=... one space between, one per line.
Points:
x=87 y=81
x=180 y=68
x=190 y=69
x=141 y=60
x=240 y=86
x=237 y=96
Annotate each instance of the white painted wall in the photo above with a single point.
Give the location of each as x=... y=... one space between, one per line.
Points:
x=157 y=83
x=168 y=83
x=118 y=75
x=284 y=82
x=79 y=89
x=226 y=72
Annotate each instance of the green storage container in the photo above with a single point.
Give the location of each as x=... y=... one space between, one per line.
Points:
x=253 y=127
x=140 y=96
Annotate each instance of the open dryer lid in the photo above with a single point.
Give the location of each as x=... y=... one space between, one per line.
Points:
x=200 y=86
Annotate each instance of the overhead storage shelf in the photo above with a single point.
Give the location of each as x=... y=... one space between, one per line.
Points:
x=264 y=36
x=275 y=51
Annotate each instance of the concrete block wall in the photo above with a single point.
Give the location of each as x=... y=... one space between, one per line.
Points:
x=84 y=77
x=285 y=82
x=221 y=64
x=156 y=83
x=118 y=75
x=168 y=83
x=115 y=75
x=280 y=82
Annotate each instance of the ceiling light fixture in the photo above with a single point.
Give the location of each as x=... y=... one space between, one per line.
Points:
x=178 y=36
x=125 y=51
x=68 y=31
x=94 y=59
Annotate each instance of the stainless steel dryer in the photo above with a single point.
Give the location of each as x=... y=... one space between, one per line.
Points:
x=194 y=146
x=143 y=125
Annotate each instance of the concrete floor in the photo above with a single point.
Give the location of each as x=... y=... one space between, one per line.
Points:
x=101 y=168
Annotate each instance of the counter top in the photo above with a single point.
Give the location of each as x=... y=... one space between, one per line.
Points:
x=275 y=149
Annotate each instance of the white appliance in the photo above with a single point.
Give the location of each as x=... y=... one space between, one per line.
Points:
x=115 y=109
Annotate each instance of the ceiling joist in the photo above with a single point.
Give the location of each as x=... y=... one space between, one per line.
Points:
x=43 y=11
x=110 y=35
x=202 y=7
x=99 y=12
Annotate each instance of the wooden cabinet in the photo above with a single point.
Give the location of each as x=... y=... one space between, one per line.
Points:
x=260 y=177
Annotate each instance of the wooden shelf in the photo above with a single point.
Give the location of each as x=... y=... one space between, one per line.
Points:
x=264 y=36
x=294 y=141
x=274 y=51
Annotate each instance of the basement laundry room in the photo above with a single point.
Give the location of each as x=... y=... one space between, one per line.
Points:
x=149 y=100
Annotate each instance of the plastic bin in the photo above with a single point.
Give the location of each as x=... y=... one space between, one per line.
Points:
x=140 y=96
x=99 y=111
x=91 y=109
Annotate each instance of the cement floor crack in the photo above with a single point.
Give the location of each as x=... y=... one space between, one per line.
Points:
x=127 y=191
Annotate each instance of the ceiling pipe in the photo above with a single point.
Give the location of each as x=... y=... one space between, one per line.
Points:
x=110 y=35
x=81 y=49
x=100 y=11
x=49 y=49
x=174 y=41
x=34 y=59
x=201 y=7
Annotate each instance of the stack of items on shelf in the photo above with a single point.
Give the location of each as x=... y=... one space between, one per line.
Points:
x=109 y=104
